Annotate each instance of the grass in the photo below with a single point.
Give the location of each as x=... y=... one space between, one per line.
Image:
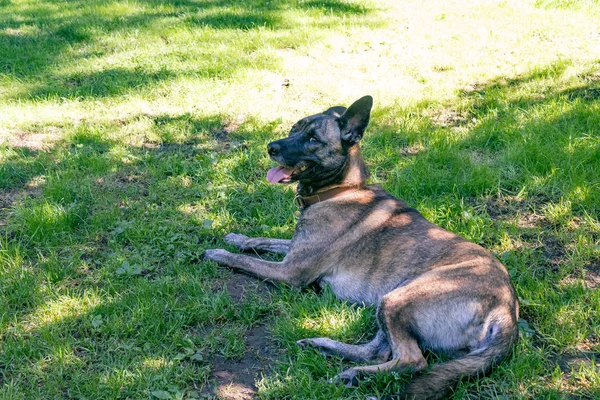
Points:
x=133 y=137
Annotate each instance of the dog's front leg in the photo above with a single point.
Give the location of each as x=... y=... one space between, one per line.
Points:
x=245 y=243
x=273 y=271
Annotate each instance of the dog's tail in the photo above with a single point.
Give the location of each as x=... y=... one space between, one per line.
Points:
x=440 y=378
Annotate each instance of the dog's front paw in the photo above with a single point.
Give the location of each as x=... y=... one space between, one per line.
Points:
x=320 y=344
x=217 y=255
x=349 y=378
x=237 y=240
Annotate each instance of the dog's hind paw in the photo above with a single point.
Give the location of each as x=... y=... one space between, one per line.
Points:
x=349 y=378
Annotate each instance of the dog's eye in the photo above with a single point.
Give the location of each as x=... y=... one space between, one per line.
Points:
x=313 y=139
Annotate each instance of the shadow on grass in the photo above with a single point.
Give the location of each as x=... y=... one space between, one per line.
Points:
x=105 y=83
x=114 y=228
x=548 y=139
x=120 y=195
x=335 y=7
x=40 y=40
x=506 y=135
x=142 y=210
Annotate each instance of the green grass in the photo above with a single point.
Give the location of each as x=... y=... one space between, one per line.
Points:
x=133 y=136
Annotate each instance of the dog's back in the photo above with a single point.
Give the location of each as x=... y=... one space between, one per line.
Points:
x=383 y=244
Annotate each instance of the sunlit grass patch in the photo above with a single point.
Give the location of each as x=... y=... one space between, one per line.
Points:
x=65 y=307
x=46 y=221
x=309 y=315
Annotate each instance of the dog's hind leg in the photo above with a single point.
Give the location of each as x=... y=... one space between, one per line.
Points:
x=245 y=243
x=407 y=357
x=395 y=321
x=377 y=350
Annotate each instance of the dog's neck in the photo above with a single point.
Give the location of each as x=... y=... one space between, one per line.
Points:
x=353 y=174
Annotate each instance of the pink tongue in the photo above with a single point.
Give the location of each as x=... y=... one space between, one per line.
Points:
x=277 y=174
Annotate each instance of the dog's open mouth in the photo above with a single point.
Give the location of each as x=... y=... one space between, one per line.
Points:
x=281 y=174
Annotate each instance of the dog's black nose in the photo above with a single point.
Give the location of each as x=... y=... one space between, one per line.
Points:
x=273 y=148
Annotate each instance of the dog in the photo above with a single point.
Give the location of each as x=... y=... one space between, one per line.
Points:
x=434 y=290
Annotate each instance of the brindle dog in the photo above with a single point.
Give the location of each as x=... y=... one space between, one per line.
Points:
x=433 y=289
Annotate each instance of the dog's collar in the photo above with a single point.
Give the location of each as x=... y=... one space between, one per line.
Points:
x=304 y=201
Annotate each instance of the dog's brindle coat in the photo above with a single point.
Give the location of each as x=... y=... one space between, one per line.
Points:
x=433 y=289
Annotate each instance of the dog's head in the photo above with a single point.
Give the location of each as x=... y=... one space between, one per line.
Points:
x=317 y=148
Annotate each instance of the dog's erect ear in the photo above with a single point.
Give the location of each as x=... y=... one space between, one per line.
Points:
x=336 y=111
x=355 y=120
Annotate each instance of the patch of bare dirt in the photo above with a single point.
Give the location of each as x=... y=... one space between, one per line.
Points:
x=591 y=342
x=500 y=207
x=9 y=198
x=473 y=88
x=536 y=232
x=508 y=207
x=554 y=251
x=480 y=157
x=14 y=32
x=549 y=246
x=235 y=379
x=590 y=277
x=126 y=179
x=447 y=118
x=410 y=151
x=530 y=220
x=223 y=135
x=573 y=360
x=123 y=180
x=38 y=141
x=237 y=286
